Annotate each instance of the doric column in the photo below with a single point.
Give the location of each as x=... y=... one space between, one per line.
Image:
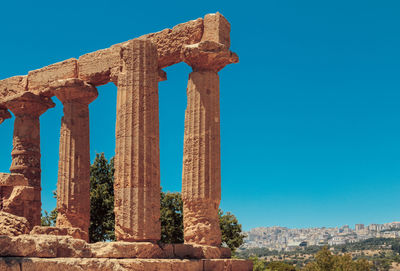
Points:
x=137 y=161
x=201 y=182
x=27 y=109
x=73 y=187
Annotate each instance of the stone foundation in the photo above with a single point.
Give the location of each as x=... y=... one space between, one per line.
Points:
x=75 y=264
x=52 y=252
x=51 y=246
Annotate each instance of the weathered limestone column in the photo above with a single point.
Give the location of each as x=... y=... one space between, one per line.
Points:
x=137 y=161
x=27 y=109
x=73 y=187
x=201 y=182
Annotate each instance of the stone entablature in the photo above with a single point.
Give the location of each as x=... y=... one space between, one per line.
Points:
x=135 y=67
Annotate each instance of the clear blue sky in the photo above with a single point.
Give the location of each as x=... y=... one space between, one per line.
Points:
x=310 y=117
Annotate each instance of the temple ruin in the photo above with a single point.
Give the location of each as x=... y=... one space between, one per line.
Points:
x=135 y=67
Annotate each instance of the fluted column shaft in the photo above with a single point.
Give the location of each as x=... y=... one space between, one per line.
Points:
x=26 y=146
x=73 y=187
x=201 y=180
x=201 y=187
x=137 y=161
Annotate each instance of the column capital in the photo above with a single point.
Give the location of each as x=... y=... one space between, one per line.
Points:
x=28 y=103
x=208 y=56
x=74 y=90
x=4 y=114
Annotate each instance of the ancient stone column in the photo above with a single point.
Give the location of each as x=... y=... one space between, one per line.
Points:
x=27 y=109
x=73 y=187
x=137 y=161
x=201 y=182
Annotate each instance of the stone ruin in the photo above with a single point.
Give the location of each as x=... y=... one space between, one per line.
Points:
x=135 y=67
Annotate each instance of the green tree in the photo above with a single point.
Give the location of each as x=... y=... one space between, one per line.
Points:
x=102 y=211
x=171 y=218
x=231 y=230
x=49 y=219
x=258 y=265
x=280 y=266
x=101 y=199
x=326 y=261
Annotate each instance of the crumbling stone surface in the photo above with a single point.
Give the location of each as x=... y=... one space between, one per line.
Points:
x=12 y=225
x=127 y=250
x=58 y=242
x=201 y=183
x=169 y=42
x=27 y=108
x=217 y=29
x=137 y=159
x=135 y=67
x=73 y=232
x=73 y=186
x=73 y=264
x=38 y=80
x=4 y=114
x=7 y=179
x=16 y=196
x=208 y=56
x=12 y=86
x=100 y=67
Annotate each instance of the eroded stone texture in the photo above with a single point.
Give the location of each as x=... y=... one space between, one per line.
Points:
x=201 y=182
x=201 y=186
x=100 y=67
x=84 y=264
x=73 y=187
x=12 y=86
x=137 y=164
x=12 y=225
x=27 y=109
x=16 y=196
x=169 y=42
x=208 y=56
x=217 y=29
x=38 y=80
x=74 y=232
x=54 y=242
x=7 y=179
x=4 y=114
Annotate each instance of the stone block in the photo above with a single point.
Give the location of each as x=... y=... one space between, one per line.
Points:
x=75 y=264
x=170 y=41
x=126 y=250
x=12 y=179
x=38 y=80
x=11 y=225
x=97 y=68
x=168 y=251
x=12 y=86
x=217 y=28
x=73 y=232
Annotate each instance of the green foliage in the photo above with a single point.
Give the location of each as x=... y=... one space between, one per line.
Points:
x=258 y=265
x=326 y=261
x=101 y=199
x=171 y=218
x=49 y=219
x=231 y=230
x=279 y=266
x=102 y=217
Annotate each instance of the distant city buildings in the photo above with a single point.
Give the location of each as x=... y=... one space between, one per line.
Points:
x=281 y=238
